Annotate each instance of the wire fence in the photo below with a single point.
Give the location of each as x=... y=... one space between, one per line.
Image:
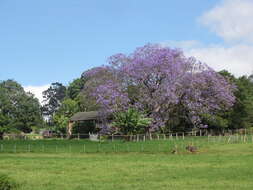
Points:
x=158 y=145
x=135 y=138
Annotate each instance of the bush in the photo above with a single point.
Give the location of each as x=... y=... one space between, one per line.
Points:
x=7 y=183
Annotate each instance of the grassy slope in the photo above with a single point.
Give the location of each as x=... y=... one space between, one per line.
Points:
x=226 y=166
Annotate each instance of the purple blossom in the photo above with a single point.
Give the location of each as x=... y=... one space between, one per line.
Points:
x=163 y=79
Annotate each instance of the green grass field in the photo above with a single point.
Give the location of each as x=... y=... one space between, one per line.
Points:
x=131 y=165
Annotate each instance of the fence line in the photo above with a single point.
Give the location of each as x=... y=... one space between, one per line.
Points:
x=137 y=137
x=153 y=145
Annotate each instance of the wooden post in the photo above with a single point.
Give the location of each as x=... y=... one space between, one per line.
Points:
x=144 y=138
x=157 y=136
x=183 y=136
x=112 y=138
x=164 y=136
x=137 y=137
x=176 y=136
x=150 y=136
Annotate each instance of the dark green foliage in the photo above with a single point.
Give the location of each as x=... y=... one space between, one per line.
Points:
x=19 y=111
x=53 y=97
x=75 y=88
x=7 y=183
x=241 y=114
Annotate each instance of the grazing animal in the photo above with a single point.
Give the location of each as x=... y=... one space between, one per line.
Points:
x=192 y=149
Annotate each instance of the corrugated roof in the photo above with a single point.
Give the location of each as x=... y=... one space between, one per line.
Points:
x=84 y=116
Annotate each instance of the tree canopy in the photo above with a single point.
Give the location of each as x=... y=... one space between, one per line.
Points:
x=160 y=82
x=19 y=111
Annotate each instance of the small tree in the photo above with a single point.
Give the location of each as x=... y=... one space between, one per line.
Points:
x=131 y=122
x=62 y=116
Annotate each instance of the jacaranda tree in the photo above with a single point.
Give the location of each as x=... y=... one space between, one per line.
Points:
x=160 y=82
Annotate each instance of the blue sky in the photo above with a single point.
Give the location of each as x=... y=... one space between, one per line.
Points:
x=56 y=40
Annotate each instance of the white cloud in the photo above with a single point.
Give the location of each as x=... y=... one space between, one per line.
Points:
x=37 y=91
x=231 y=20
x=237 y=59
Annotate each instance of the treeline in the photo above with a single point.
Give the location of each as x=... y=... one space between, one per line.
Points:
x=20 y=111
x=64 y=101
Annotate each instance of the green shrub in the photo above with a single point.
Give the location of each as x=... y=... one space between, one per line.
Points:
x=7 y=183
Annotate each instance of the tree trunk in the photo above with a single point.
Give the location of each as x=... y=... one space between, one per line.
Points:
x=69 y=129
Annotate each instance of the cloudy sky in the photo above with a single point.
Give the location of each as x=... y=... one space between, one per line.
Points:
x=46 y=41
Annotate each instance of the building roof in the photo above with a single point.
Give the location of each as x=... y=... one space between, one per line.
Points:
x=84 y=116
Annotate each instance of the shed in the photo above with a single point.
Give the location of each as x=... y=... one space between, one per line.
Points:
x=81 y=116
x=84 y=116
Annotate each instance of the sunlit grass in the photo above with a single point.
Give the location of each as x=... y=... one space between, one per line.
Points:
x=217 y=165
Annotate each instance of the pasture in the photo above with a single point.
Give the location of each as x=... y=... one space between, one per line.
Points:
x=220 y=163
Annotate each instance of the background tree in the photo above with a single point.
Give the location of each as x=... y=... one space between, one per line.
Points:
x=75 y=88
x=242 y=113
x=53 y=98
x=62 y=116
x=19 y=111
